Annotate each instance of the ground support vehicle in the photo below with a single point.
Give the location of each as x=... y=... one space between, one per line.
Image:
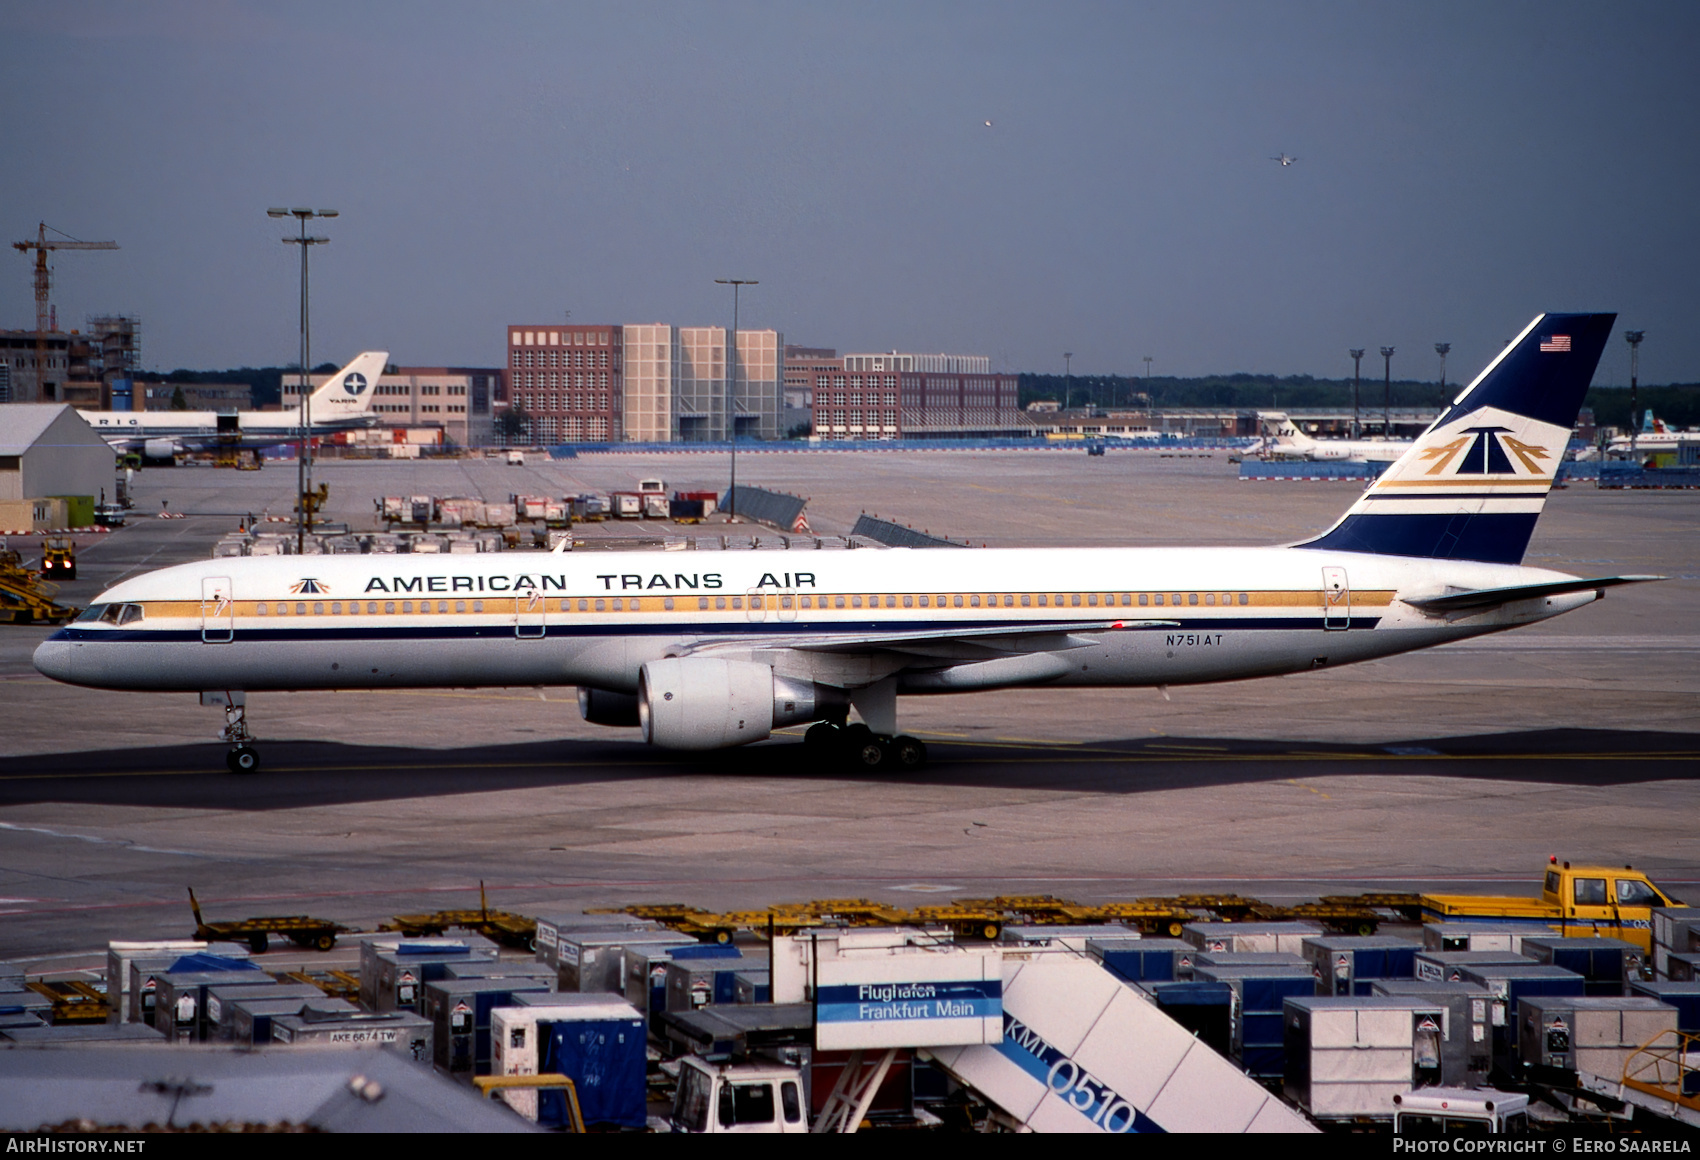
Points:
x=303 y=930
x=514 y=930
x=740 y=1098
x=1607 y=901
x=59 y=558
x=25 y=598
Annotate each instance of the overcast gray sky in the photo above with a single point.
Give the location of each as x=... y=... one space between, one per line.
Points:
x=1462 y=166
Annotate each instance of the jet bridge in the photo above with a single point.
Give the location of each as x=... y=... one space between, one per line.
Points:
x=1082 y=1052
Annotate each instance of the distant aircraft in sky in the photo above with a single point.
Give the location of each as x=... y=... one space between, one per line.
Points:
x=1283 y=159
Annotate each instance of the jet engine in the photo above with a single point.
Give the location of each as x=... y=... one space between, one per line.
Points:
x=706 y=703
x=606 y=707
x=159 y=449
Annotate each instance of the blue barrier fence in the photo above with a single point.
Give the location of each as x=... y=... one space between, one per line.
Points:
x=1162 y=443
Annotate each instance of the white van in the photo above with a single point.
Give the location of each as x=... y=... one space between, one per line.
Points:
x=743 y=1097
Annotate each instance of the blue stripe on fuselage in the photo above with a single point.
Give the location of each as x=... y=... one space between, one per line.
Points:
x=1491 y=537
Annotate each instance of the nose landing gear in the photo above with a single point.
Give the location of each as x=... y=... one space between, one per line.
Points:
x=243 y=757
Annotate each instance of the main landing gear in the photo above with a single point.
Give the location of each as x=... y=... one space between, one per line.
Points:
x=862 y=747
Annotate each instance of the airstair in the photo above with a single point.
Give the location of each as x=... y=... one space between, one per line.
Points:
x=1084 y=1052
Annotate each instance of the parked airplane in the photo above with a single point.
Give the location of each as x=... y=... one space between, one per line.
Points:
x=344 y=402
x=1282 y=439
x=711 y=651
x=1655 y=437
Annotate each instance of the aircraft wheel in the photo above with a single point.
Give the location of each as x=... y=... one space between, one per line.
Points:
x=909 y=752
x=243 y=759
x=257 y=943
x=821 y=736
x=868 y=751
x=324 y=942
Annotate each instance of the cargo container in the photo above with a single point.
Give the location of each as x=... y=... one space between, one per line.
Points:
x=1250 y=936
x=1061 y=937
x=401 y=1031
x=1674 y=932
x=1466 y=1045
x=381 y=958
x=1143 y=960
x=551 y=927
x=1347 y=1056
x=499 y=969
x=600 y=1045
x=1205 y=1009
x=1449 y=966
x=459 y=1013
x=1473 y=936
x=752 y=987
x=180 y=1010
x=1258 y=1041
x=595 y=960
x=1682 y=968
x=1250 y=959
x=1558 y=1037
x=697 y=982
x=1684 y=997
x=83 y=1033
x=1516 y=982
x=221 y=996
x=251 y=1019
x=1606 y=963
x=119 y=955
x=1347 y=964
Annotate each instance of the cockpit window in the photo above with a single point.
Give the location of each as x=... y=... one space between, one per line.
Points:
x=109 y=615
x=93 y=612
x=130 y=614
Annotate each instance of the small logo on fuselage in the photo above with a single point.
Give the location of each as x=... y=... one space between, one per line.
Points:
x=309 y=587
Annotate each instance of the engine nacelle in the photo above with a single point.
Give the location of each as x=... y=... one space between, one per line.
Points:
x=707 y=703
x=159 y=449
x=606 y=707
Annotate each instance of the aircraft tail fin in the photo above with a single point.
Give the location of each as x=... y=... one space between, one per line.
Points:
x=348 y=393
x=1473 y=485
x=1279 y=428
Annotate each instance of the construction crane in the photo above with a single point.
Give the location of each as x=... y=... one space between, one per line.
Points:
x=43 y=312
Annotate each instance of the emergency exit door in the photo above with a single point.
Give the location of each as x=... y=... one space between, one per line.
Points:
x=218 y=610
x=528 y=616
x=1336 y=599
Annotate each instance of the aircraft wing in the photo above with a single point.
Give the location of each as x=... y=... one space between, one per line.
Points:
x=1494 y=597
x=950 y=644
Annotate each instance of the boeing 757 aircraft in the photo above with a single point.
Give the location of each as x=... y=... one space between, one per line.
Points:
x=342 y=403
x=711 y=651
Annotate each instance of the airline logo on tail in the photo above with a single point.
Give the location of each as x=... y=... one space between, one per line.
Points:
x=1486 y=454
x=348 y=393
x=354 y=383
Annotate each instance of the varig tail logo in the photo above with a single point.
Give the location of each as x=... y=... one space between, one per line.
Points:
x=354 y=383
x=309 y=587
x=1482 y=451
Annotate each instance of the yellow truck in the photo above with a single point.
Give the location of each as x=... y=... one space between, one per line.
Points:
x=1575 y=901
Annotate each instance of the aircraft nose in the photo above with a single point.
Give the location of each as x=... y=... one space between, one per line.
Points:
x=55 y=658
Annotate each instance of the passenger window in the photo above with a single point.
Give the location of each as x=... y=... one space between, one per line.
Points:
x=1176 y=599
x=667 y=603
x=785 y=602
x=478 y=606
x=318 y=608
x=602 y=606
x=720 y=602
x=923 y=602
x=1157 y=600
x=619 y=605
x=1590 y=892
x=1633 y=893
x=737 y=602
x=460 y=606
x=1093 y=600
x=1026 y=600
x=259 y=610
x=755 y=602
x=838 y=602
x=1009 y=601
x=389 y=606
x=855 y=602
x=890 y=601
x=1144 y=600
x=973 y=601
x=1043 y=600
x=1210 y=598
x=1245 y=598
x=956 y=602
x=584 y=606
x=908 y=602
x=1192 y=598
x=702 y=604
x=336 y=608
x=1075 y=600
x=406 y=606
x=807 y=602
x=442 y=606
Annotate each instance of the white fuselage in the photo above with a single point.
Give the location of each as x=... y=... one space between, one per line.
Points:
x=1145 y=616
x=194 y=430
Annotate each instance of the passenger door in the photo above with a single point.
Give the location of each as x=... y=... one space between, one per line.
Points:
x=528 y=616
x=1336 y=599
x=218 y=610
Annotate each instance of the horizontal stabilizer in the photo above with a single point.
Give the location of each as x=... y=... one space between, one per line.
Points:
x=1494 y=597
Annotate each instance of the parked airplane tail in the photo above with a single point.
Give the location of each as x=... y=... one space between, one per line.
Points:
x=348 y=393
x=1473 y=484
x=1280 y=431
